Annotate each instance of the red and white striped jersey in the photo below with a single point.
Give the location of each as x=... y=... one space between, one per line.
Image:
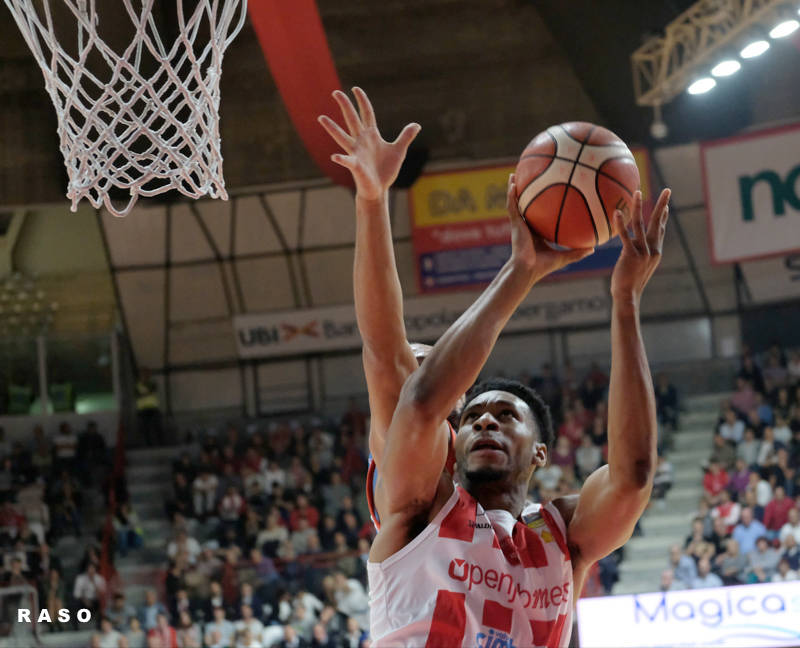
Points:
x=476 y=578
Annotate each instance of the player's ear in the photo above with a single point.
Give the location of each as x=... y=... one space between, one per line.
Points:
x=539 y=458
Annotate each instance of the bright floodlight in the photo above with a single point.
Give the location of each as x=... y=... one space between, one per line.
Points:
x=756 y=48
x=701 y=85
x=782 y=30
x=726 y=68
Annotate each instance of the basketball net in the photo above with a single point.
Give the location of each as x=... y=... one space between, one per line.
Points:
x=143 y=132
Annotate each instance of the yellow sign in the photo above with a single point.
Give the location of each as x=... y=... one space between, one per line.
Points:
x=460 y=196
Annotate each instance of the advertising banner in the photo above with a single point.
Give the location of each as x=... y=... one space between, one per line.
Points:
x=773 y=280
x=334 y=328
x=752 y=189
x=461 y=232
x=762 y=616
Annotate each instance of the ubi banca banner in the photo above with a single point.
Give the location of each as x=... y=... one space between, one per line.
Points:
x=334 y=328
x=461 y=232
x=752 y=186
x=761 y=616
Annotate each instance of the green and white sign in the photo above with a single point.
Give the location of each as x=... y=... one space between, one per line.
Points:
x=752 y=186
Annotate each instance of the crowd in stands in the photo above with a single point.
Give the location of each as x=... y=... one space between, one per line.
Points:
x=42 y=488
x=747 y=528
x=269 y=530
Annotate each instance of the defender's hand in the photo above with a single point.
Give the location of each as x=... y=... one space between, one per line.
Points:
x=641 y=251
x=529 y=249
x=373 y=161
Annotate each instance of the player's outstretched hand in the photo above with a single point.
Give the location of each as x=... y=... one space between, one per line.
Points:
x=373 y=161
x=641 y=249
x=531 y=250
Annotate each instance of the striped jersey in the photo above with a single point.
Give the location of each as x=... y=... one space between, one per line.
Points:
x=476 y=578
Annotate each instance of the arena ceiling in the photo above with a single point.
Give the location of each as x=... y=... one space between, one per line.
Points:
x=481 y=76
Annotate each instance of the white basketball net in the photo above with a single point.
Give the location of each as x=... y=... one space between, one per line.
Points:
x=120 y=128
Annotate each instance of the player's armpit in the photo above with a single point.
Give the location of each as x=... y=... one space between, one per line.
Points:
x=604 y=516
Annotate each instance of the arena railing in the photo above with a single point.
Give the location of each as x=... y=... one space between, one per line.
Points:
x=107 y=569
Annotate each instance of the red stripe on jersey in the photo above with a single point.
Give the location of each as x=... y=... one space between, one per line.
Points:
x=495 y=543
x=551 y=524
x=529 y=546
x=459 y=523
x=548 y=633
x=449 y=620
x=497 y=616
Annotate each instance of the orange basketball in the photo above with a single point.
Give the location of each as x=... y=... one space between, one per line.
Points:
x=571 y=178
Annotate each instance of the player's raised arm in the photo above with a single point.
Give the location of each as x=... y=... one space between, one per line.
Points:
x=413 y=458
x=614 y=496
x=375 y=163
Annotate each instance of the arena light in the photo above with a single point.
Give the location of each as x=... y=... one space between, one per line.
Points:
x=756 y=48
x=784 y=29
x=701 y=86
x=726 y=68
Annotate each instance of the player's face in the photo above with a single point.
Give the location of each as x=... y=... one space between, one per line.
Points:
x=497 y=438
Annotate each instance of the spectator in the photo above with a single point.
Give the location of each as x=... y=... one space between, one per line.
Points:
x=666 y=401
x=662 y=481
x=763 y=562
x=300 y=537
x=291 y=639
x=727 y=510
x=333 y=493
x=668 y=582
x=784 y=573
x=719 y=535
x=764 y=410
x=782 y=433
x=732 y=429
x=188 y=632
x=751 y=373
x=683 y=566
x=109 y=637
x=705 y=577
x=204 y=489
x=119 y=612
x=696 y=544
x=220 y=632
x=249 y=598
x=775 y=375
x=761 y=487
x=183 y=543
x=151 y=610
x=90 y=587
x=275 y=534
x=776 y=513
x=148 y=411
x=747 y=532
x=350 y=597
x=163 y=632
x=739 y=478
x=744 y=398
x=722 y=453
x=751 y=501
x=134 y=634
x=305 y=511
x=320 y=637
x=768 y=448
x=732 y=565
x=66 y=448
x=792 y=526
x=128 y=529
x=273 y=475
x=715 y=481
x=353 y=634
x=748 y=449
x=248 y=621
x=563 y=455
x=791 y=552
x=587 y=457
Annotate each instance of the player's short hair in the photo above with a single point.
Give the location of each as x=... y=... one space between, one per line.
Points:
x=539 y=409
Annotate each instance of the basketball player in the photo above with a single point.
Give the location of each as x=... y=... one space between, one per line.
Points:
x=476 y=564
x=387 y=356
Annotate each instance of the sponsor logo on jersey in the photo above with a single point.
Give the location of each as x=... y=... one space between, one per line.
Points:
x=479 y=525
x=475 y=576
x=494 y=639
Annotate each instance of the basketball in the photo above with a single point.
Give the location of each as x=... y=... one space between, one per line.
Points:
x=570 y=179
